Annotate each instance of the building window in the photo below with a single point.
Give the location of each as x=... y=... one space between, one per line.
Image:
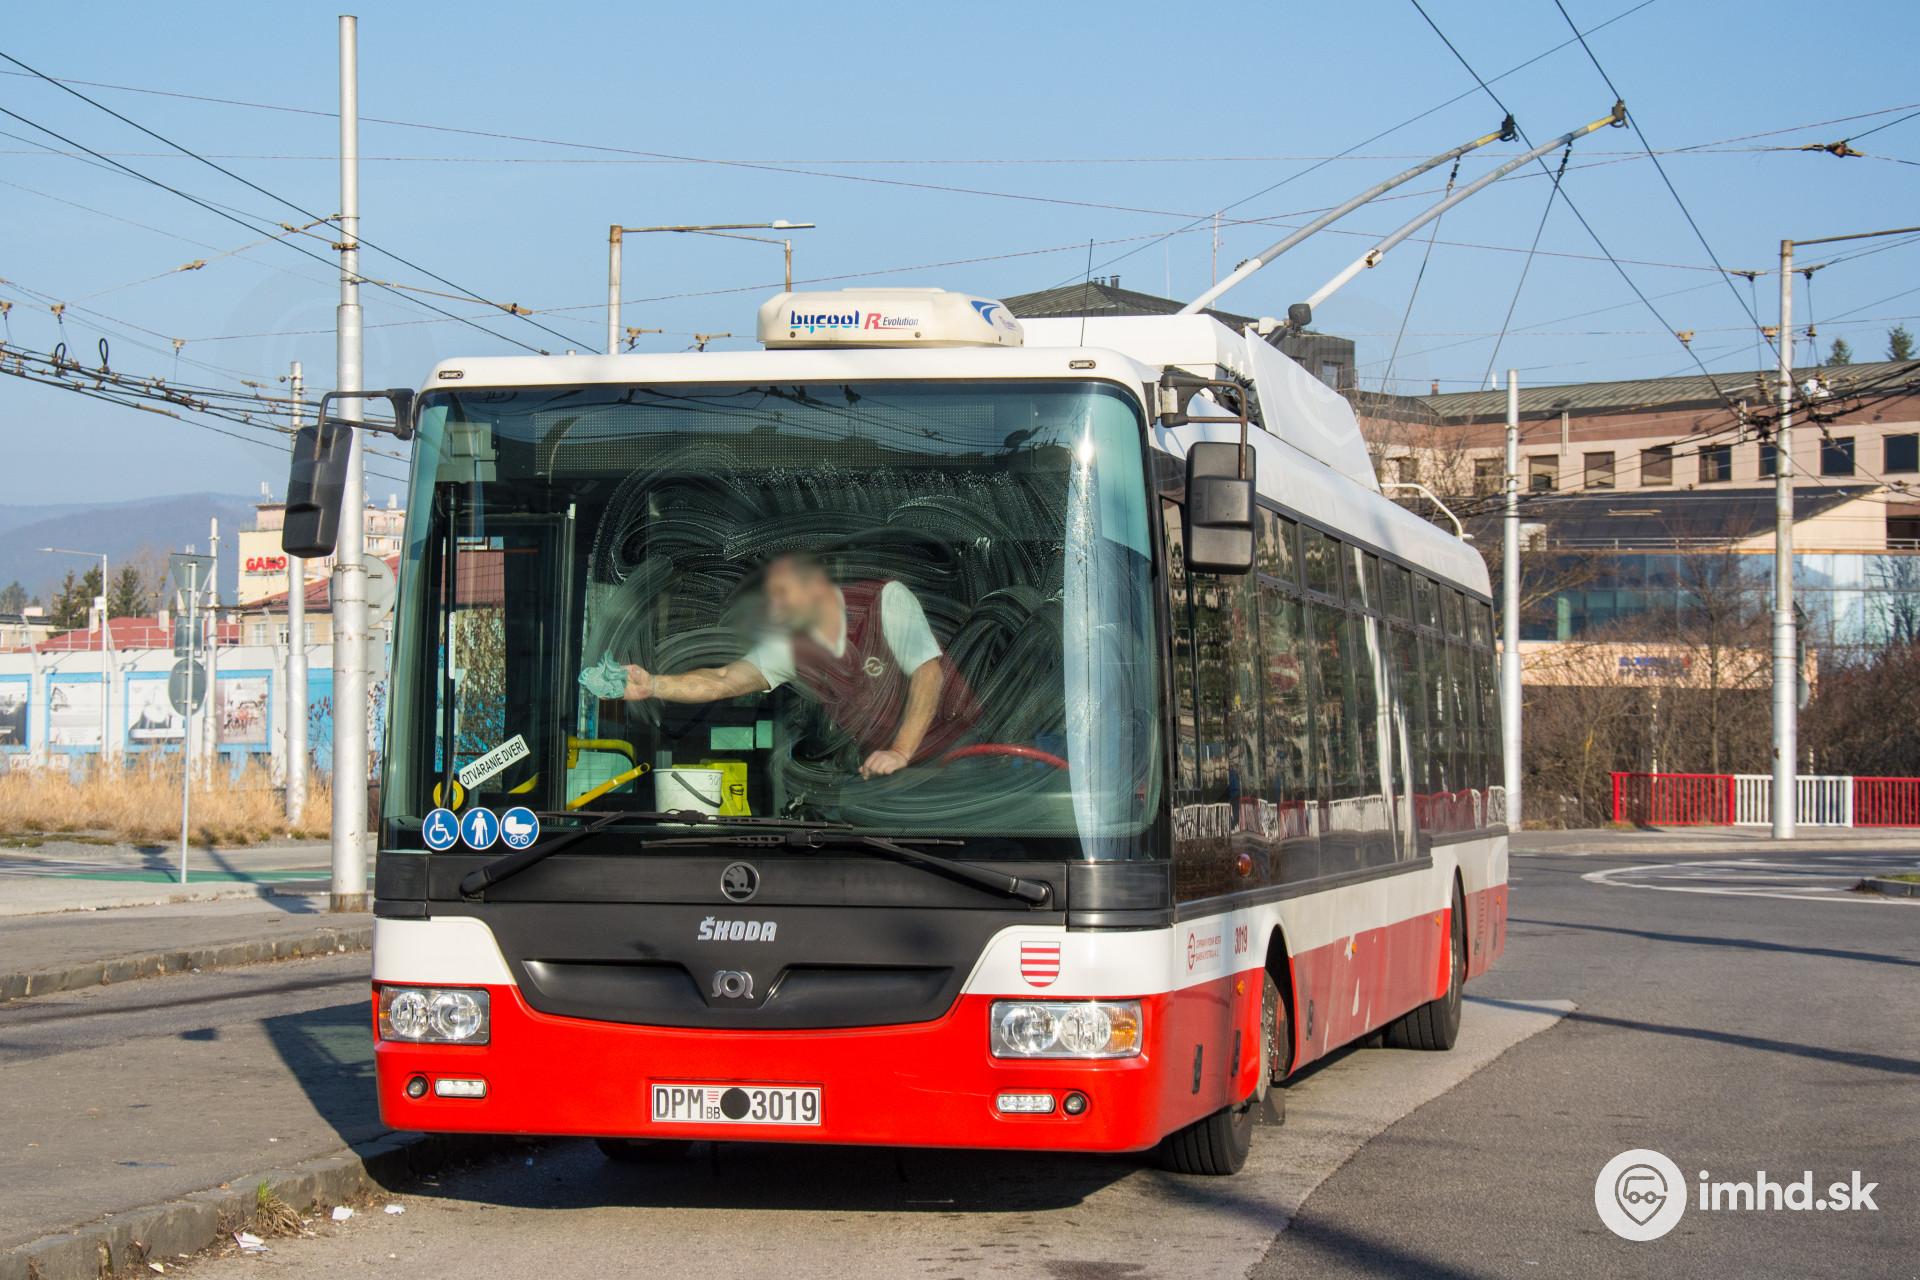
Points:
x=1767 y=466
x=1330 y=373
x=1836 y=457
x=1401 y=470
x=1656 y=465
x=1903 y=532
x=1902 y=453
x=1487 y=475
x=1543 y=473
x=1599 y=471
x=1716 y=463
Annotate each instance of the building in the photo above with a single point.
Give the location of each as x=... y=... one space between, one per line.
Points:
x=263 y=565
x=1327 y=358
x=1643 y=498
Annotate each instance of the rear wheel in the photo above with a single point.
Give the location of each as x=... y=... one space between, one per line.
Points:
x=641 y=1150
x=1218 y=1144
x=1436 y=1024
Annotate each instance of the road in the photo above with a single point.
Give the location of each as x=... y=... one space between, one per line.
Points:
x=1734 y=1032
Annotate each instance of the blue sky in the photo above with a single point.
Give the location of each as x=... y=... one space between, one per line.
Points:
x=1064 y=123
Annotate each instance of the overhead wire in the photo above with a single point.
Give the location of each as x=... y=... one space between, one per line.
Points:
x=360 y=241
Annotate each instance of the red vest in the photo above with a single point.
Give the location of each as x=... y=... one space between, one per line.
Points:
x=863 y=689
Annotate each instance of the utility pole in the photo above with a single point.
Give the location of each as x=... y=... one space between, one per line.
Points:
x=616 y=241
x=1786 y=678
x=186 y=730
x=350 y=754
x=296 y=732
x=1510 y=608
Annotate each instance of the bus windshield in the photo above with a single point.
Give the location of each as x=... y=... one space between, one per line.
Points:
x=911 y=608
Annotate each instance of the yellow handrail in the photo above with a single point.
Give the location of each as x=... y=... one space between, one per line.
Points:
x=611 y=784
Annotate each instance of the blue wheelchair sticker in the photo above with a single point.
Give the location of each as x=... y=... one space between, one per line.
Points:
x=440 y=830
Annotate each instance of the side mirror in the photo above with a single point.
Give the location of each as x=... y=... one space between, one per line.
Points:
x=317 y=482
x=316 y=486
x=1219 y=509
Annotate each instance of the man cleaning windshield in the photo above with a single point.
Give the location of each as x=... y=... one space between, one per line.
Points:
x=862 y=650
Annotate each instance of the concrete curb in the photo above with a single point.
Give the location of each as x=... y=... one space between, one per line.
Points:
x=164 y=1231
x=152 y=964
x=1892 y=888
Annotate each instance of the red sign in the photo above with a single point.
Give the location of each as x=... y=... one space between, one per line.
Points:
x=1040 y=963
x=266 y=564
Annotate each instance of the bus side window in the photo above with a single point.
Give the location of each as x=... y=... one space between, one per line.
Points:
x=1287 y=730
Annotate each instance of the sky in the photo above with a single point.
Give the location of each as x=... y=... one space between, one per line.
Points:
x=977 y=147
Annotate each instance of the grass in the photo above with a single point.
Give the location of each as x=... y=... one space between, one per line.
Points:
x=141 y=803
x=1904 y=877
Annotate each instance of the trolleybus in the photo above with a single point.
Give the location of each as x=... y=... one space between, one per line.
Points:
x=930 y=729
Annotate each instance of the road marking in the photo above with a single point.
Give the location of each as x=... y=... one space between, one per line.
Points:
x=1821 y=880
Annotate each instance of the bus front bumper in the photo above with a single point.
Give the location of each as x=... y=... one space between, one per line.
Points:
x=931 y=1084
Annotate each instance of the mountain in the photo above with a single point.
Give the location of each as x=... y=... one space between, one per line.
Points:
x=142 y=530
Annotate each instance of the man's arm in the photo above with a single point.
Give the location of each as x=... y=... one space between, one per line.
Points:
x=923 y=699
x=904 y=627
x=707 y=684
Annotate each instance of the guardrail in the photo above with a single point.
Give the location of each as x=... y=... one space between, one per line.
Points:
x=1746 y=800
x=1674 y=799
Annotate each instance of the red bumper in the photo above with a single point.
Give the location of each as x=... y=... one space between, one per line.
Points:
x=930 y=1084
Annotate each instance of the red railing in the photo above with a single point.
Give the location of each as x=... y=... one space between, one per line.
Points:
x=1673 y=799
x=1886 y=802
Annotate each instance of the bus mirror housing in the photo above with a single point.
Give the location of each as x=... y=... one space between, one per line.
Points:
x=317 y=480
x=1219 y=508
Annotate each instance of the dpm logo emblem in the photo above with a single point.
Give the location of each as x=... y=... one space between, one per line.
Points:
x=712 y=930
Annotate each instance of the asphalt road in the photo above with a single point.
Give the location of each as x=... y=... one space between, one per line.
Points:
x=1734 y=1032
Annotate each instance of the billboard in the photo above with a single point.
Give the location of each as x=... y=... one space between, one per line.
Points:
x=73 y=713
x=150 y=714
x=240 y=702
x=13 y=712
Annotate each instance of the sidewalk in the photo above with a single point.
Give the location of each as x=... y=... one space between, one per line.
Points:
x=1729 y=841
x=54 y=874
x=63 y=951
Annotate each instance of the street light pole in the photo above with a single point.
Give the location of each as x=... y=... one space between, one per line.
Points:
x=1510 y=609
x=616 y=237
x=296 y=732
x=1786 y=673
x=350 y=746
x=1786 y=707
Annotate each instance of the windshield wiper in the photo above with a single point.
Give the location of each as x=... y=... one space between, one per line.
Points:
x=824 y=836
x=513 y=864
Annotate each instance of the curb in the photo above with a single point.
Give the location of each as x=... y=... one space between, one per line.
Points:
x=153 y=964
x=194 y=1222
x=1892 y=888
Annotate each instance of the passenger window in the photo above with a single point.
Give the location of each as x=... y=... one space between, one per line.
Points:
x=1453 y=603
x=1275 y=556
x=1186 y=748
x=1399 y=583
x=1426 y=602
x=1321 y=554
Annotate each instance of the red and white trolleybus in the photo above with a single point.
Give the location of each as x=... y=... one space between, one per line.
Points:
x=928 y=729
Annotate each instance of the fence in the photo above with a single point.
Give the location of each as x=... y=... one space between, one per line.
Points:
x=1746 y=799
x=1673 y=799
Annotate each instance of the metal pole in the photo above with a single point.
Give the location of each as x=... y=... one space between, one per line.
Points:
x=614 y=238
x=788 y=242
x=1786 y=681
x=350 y=754
x=1510 y=609
x=296 y=731
x=106 y=662
x=1333 y=215
x=1372 y=257
x=186 y=730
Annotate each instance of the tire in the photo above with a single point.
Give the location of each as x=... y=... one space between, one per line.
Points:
x=1435 y=1025
x=1277 y=1053
x=641 y=1150
x=1218 y=1145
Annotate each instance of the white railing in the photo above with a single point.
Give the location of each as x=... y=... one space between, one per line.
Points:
x=1820 y=800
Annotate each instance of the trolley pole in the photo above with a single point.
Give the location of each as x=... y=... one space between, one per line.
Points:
x=296 y=732
x=1510 y=608
x=1786 y=679
x=350 y=753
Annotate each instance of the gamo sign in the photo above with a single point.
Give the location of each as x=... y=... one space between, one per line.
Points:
x=265 y=564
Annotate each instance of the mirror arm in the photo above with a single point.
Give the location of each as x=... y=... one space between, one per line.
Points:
x=401 y=398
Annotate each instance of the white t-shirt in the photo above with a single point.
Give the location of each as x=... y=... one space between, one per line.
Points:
x=903 y=625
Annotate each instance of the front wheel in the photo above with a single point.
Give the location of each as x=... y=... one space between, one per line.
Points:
x=1219 y=1144
x=1436 y=1024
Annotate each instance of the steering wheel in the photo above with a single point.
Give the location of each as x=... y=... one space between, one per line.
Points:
x=1013 y=750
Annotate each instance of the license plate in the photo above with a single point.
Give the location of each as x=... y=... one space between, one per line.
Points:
x=735 y=1104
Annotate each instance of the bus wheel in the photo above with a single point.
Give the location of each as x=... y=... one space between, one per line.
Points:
x=641 y=1150
x=1276 y=1052
x=1218 y=1144
x=1436 y=1024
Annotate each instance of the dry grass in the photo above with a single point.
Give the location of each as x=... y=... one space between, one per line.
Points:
x=142 y=803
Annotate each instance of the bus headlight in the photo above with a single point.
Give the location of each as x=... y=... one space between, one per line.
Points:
x=1065 y=1028
x=434 y=1015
